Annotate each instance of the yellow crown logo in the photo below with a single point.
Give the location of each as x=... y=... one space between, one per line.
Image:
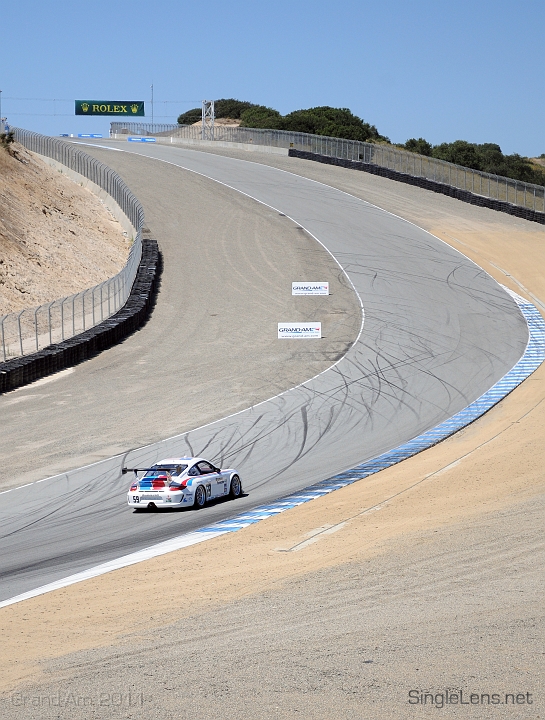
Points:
x=85 y=107
x=134 y=108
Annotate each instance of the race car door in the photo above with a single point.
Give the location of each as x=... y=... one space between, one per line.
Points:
x=211 y=478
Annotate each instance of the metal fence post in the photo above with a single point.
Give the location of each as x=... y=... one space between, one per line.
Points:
x=20 y=333
x=36 y=328
x=50 y=324
x=3 y=338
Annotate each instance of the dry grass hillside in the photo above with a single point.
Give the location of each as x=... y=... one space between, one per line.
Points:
x=56 y=238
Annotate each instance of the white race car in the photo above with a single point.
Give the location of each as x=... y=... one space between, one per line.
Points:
x=181 y=482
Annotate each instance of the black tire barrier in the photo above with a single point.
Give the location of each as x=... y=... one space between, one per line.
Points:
x=131 y=317
x=463 y=195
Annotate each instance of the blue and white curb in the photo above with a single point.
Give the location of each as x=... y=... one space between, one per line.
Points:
x=533 y=357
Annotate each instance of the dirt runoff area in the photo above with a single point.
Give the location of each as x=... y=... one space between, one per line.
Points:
x=417 y=592
x=56 y=238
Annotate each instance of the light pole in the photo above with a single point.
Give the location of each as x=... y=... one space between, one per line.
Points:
x=152 y=108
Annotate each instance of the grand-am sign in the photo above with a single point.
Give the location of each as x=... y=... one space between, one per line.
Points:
x=299 y=330
x=310 y=288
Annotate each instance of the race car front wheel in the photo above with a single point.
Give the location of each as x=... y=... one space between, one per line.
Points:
x=200 y=497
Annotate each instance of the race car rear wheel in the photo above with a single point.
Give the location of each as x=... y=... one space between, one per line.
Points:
x=200 y=497
x=236 y=487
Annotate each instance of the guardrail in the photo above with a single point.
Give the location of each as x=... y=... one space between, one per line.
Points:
x=32 y=329
x=495 y=187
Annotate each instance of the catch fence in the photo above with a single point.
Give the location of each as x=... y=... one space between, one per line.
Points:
x=495 y=187
x=32 y=329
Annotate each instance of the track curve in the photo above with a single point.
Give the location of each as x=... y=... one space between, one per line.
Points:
x=438 y=333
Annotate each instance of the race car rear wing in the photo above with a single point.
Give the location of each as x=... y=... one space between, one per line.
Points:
x=125 y=470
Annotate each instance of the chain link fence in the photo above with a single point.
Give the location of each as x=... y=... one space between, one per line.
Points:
x=495 y=187
x=33 y=329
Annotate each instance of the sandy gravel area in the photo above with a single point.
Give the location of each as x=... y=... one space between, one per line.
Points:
x=429 y=577
x=56 y=238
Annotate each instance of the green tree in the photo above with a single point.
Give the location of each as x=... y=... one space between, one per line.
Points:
x=190 y=117
x=333 y=122
x=522 y=169
x=459 y=152
x=491 y=156
x=324 y=120
x=488 y=157
x=231 y=108
x=420 y=146
x=259 y=116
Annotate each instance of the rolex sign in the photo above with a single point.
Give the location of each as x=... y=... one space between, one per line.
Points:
x=121 y=108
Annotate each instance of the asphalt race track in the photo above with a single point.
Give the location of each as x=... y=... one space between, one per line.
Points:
x=438 y=332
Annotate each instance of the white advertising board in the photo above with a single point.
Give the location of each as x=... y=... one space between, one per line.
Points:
x=299 y=330
x=310 y=288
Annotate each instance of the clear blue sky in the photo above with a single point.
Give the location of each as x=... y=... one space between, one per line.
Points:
x=427 y=68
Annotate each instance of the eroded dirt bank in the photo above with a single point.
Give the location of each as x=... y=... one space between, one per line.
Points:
x=56 y=238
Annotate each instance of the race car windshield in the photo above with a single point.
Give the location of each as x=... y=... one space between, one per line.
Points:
x=157 y=470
